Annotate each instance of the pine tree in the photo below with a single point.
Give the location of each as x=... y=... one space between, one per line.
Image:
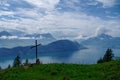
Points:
x=9 y=66
x=0 y=68
x=26 y=62
x=108 y=55
x=17 y=61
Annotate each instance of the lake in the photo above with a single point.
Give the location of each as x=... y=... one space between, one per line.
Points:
x=86 y=56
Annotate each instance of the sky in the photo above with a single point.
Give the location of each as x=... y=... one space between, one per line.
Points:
x=62 y=18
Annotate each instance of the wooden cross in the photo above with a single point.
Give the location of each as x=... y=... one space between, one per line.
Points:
x=36 y=46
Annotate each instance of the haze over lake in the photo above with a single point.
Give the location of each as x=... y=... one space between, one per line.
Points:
x=85 y=56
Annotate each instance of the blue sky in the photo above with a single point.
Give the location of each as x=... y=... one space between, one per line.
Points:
x=79 y=17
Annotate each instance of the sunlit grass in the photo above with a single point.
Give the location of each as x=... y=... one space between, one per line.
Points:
x=104 y=71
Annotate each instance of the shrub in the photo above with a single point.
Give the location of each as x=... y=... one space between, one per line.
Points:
x=37 y=61
x=100 y=60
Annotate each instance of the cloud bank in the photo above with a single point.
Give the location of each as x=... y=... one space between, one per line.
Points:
x=66 y=19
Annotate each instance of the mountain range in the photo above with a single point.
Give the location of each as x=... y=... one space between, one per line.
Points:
x=5 y=33
x=34 y=35
x=94 y=47
x=103 y=41
x=54 y=47
x=17 y=38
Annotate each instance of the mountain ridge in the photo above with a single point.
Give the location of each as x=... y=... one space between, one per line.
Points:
x=103 y=40
x=5 y=33
x=57 y=46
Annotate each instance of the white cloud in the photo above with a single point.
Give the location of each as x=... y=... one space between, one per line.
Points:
x=101 y=30
x=29 y=13
x=65 y=24
x=8 y=37
x=4 y=3
x=113 y=17
x=92 y=3
x=46 y=4
x=6 y=13
x=108 y=3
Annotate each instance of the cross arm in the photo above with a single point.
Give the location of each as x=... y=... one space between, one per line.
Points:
x=35 y=46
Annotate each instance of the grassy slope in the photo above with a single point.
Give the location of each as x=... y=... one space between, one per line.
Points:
x=105 y=71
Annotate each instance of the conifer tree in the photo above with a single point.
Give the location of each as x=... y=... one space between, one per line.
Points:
x=0 y=68
x=9 y=66
x=108 y=55
x=17 y=61
x=26 y=62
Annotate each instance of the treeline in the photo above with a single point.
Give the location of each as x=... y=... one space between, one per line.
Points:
x=17 y=62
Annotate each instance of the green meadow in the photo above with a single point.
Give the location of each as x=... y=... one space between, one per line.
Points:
x=103 y=71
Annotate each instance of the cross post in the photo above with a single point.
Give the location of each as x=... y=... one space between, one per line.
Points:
x=36 y=46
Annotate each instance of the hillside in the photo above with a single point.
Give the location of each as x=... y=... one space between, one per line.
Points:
x=104 y=71
x=57 y=46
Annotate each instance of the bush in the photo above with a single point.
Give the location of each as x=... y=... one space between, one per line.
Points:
x=100 y=60
x=37 y=61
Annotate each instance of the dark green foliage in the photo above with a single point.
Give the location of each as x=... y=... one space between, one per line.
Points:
x=0 y=68
x=37 y=61
x=100 y=60
x=26 y=62
x=17 y=62
x=9 y=66
x=107 y=57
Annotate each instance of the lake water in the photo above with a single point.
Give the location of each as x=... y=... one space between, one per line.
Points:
x=86 y=56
